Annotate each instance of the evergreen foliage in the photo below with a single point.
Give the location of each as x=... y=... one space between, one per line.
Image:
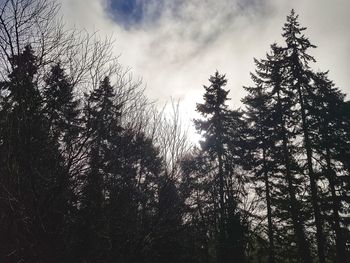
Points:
x=82 y=181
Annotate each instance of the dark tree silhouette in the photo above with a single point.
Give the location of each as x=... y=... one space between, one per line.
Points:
x=262 y=134
x=297 y=63
x=327 y=132
x=271 y=74
x=32 y=167
x=219 y=129
x=106 y=177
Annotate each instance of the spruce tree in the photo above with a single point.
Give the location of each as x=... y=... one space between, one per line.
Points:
x=101 y=114
x=261 y=137
x=296 y=61
x=61 y=107
x=134 y=169
x=32 y=169
x=271 y=74
x=328 y=138
x=219 y=130
x=61 y=110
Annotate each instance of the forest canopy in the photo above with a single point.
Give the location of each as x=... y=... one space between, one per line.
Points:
x=92 y=171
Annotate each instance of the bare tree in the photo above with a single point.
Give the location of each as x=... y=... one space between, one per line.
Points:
x=24 y=22
x=87 y=58
x=171 y=135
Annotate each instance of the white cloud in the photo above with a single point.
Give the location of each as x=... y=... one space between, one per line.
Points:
x=176 y=54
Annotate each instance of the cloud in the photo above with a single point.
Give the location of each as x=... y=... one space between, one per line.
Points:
x=175 y=45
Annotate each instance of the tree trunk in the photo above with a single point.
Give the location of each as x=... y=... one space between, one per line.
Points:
x=222 y=234
x=331 y=175
x=313 y=183
x=303 y=245
x=269 y=212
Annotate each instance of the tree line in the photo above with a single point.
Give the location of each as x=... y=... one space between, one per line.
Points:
x=91 y=171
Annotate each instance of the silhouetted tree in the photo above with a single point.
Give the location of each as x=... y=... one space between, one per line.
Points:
x=32 y=168
x=271 y=73
x=328 y=137
x=299 y=80
x=262 y=134
x=168 y=243
x=102 y=124
x=219 y=130
x=107 y=177
x=61 y=107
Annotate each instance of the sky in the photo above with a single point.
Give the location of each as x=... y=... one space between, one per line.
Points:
x=175 y=45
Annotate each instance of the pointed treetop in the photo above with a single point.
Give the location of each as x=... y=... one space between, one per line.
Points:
x=293 y=32
x=24 y=62
x=215 y=95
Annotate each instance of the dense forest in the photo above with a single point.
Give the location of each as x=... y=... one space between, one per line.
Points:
x=92 y=171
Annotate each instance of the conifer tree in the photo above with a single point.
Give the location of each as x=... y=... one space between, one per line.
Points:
x=134 y=168
x=33 y=166
x=101 y=123
x=261 y=142
x=327 y=137
x=61 y=107
x=219 y=130
x=297 y=62
x=61 y=110
x=271 y=74
x=169 y=236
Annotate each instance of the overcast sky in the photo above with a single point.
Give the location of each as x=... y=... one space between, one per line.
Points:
x=175 y=45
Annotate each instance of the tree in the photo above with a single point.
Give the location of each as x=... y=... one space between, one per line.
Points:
x=61 y=107
x=33 y=167
x=297 y=61
x=262 y=136
x=292 y=116
x=102 y=124
x=219 y=131
x=87 y=58
x=327 y=137
x=282 y=117
x=168 y=243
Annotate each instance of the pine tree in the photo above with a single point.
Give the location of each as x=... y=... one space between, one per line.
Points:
x=328 y=137
x=61 y=107
x=271 y=75
x=33 y=166
x=297 y=62
x=134 y=170
x=169 y=235
x=261 y=143
x=101 y=115
x=220 y=131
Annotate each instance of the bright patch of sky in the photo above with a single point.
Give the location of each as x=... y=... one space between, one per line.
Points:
x=175 y=45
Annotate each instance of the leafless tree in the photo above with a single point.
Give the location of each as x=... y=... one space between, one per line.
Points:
x=86 y=57
x=171 y=135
